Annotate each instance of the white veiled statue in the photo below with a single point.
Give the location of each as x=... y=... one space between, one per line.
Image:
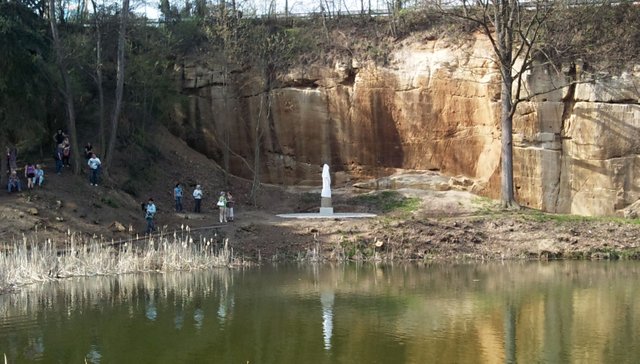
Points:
x=326 y=182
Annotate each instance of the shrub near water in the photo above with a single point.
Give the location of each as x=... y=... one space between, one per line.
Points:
x=29 y=263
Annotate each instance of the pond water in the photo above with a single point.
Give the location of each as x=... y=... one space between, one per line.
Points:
x=557 y=312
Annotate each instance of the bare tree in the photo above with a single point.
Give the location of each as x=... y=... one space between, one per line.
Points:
x=513 y=28
x=67 y=92
x=268 y=50
x=98 y=76
x=119 y=84
x=265 y=109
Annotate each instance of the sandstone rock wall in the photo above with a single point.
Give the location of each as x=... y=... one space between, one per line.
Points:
x=434 y=107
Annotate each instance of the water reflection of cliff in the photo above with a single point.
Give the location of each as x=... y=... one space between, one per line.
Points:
x=517 y=312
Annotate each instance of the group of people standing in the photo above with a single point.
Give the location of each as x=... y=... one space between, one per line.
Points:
x=63 y=156
x=225 y=205
x=225 y=202
x=33 y=173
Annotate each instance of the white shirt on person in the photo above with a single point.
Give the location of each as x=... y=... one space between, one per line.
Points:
x=94 y=162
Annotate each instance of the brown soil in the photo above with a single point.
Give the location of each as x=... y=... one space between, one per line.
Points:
x=446 y=225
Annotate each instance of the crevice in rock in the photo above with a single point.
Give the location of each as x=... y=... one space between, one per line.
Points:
x=299 y=83
x=623 y=101
x=350 y=80
x=569 y=103
x=276 y=88
x=197 y=86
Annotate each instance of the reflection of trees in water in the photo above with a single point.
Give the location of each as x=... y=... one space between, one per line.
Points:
x=149 y=295
x=78 y=293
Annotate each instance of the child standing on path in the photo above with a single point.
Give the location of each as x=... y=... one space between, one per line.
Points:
x=222 y=205
x=94 y=165
x=177 y=194
x=197 y=196
x=30 y=174
x=66 y=153
x=39 y=180
x=230 y=203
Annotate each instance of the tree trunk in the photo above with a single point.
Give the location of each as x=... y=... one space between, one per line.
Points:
x=68 y=92
x=4 y=170
x=226 y=137
x=506 y=120
x=505 y=54
x=63 y=6
x=255 y=184
x=119 y=86
x=102 y=136
x=265 y=109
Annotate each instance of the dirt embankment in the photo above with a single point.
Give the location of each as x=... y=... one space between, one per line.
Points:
x=417 y=218
x=425 y=225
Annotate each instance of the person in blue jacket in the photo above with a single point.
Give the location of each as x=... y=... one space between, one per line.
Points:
x=150 y=213
x=177 y=194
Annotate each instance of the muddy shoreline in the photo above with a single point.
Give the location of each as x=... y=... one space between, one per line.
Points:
x=510 y=236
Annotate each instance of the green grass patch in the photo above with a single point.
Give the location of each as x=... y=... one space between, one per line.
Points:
x=387 y=201
x=485 y=206
x=109 y=202
x=541 y=216
x=488 y=207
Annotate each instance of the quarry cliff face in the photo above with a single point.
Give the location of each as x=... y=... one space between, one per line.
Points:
x=435 y=106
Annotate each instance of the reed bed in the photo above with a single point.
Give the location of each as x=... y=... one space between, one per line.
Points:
x=31 y=262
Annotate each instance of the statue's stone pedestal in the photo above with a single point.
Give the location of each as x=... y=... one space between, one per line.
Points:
x=325 y=206
x=326 y=211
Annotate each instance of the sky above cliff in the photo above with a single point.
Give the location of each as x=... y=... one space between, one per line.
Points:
x=260 y=7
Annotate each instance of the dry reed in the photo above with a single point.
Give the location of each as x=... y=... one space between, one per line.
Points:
x=29 y=262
